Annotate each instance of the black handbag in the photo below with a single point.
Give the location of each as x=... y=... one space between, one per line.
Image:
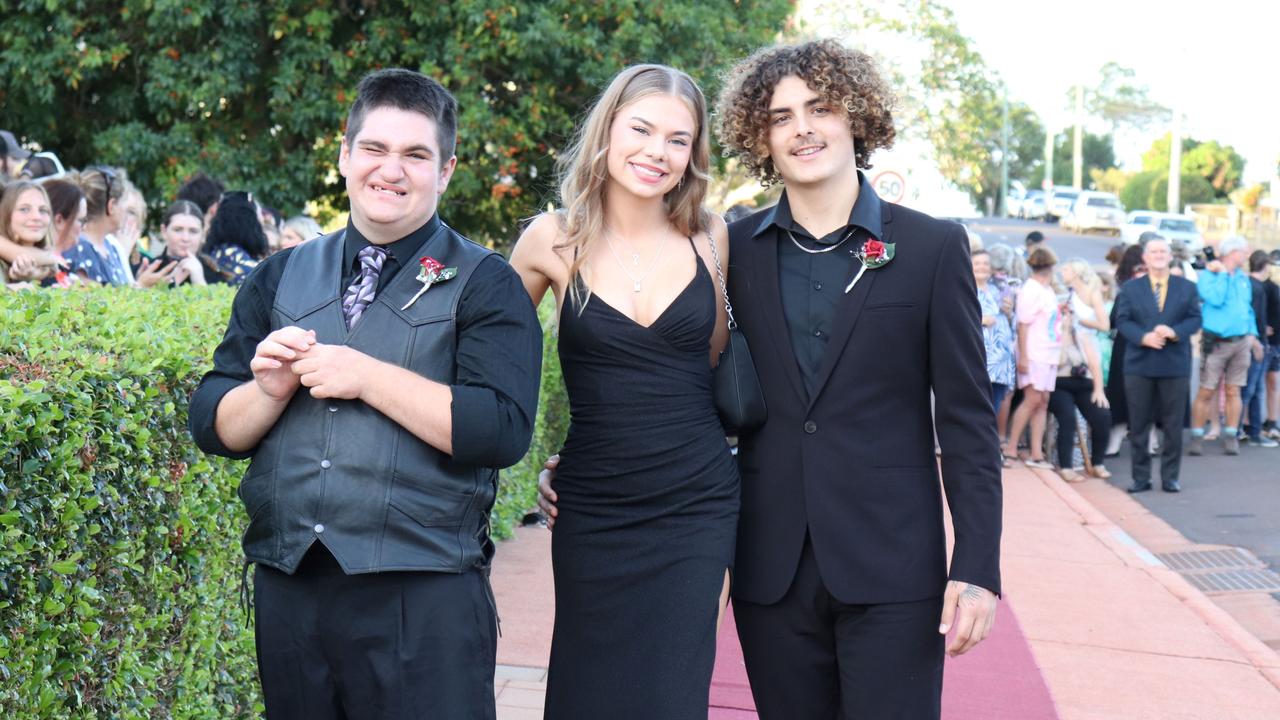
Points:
x=736 y=390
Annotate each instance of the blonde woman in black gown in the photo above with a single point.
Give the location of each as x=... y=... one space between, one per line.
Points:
x=648 y=490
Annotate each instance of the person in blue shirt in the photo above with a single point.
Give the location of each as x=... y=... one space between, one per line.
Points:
x=1229 y=339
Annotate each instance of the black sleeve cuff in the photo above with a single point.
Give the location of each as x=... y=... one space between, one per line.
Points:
x=202 y=416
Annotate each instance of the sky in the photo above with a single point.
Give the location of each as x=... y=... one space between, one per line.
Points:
x=1219 y=61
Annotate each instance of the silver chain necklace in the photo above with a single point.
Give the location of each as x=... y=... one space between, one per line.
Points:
x=635 y=258
x=823 y=250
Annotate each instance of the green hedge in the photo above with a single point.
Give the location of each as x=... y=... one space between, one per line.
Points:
x=119 y=540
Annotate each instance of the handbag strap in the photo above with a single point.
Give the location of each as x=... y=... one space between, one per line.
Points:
x=724 y=289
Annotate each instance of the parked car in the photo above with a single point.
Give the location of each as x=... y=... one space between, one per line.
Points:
x=1172 y=226
x=1058 y=202
x=1094 y=210
x=1013 y=202
x=1032 y=207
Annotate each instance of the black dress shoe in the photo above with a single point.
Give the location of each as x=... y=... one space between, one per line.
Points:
x=1171 y=486
x=1139 y=487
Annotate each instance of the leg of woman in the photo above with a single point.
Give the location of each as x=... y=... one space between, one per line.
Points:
x=1020 y=418
x=1062 y=405
x=1099 y=421
x=1002 y=418
x=1039 y=418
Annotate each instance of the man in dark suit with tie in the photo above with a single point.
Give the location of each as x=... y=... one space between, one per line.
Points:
x=855 y=310
x=1157 y=314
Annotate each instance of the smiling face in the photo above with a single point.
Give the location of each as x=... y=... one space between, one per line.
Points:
x=31 y=217
x=981 y=267
x=650 y=143
x=395 y=175
x=809 y=138
x=182 y=235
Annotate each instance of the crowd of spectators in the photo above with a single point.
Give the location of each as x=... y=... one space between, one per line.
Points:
x=66 y=228
x=1105 y=354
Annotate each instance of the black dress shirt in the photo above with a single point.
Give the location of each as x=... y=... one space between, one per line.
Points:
x=492 y=407
x=812 y=283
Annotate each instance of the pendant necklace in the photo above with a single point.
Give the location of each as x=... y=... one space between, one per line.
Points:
x=635 y=260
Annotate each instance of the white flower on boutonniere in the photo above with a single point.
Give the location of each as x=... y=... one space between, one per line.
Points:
x=874 y=254
x=432 y=271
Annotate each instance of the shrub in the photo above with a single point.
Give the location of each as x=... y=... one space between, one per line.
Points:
x=120 y=561
x=1136 y=193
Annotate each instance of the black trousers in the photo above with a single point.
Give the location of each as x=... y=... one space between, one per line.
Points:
x=1070 y=394
x=1152 y=400
x=381 y=646
x=811 y=656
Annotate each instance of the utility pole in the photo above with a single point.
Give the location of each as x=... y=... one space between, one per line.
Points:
x=1004 y=158
x=1077 y=163
x=1174 y=198
x=1048 y=158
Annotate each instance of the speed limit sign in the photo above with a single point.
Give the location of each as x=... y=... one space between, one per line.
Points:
x=890 y=186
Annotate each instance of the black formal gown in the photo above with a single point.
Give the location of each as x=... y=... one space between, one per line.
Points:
x=648 y=511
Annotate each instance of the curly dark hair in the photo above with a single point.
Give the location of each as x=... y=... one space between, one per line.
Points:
x=844 y=77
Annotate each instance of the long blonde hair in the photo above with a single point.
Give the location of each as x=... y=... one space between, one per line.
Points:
x=1086 y=273
x=584 y=170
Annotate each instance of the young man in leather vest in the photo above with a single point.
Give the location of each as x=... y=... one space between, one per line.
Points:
x=378 y=377
x=855 y=310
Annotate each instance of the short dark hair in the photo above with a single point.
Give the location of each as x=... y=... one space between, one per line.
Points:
x=202 y=190
x=1259 y=261
x=1033 y=237
x=407 y=90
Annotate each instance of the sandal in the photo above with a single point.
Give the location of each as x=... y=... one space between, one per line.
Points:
x=1007 y=461
x=1070 y=475
x=1101 y=472
x=1040 y=464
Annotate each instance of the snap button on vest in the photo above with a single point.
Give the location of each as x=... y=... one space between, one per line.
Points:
x=318 y=528
x=810 y=427
x=333 y=408
x=325 y=464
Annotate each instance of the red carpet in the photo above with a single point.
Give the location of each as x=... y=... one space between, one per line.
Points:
x=997 y=681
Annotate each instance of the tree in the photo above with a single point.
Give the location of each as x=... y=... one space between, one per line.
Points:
x=1099 y=155
x=950 y=97
x=256 y=92
x=1111 y=180
x=1118 y=100
x=1191 y=189
x=1219 y=165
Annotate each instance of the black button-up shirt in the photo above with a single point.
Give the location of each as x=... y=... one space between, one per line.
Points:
x=812 y=283
x=493 y=407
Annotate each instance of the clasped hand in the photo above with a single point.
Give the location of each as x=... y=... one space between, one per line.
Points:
x=291 y=357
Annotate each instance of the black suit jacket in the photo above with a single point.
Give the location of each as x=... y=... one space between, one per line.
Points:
x=855 y=464
x=1137 y=314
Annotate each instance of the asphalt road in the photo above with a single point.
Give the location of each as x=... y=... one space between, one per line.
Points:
x=1224 y=500
x=1066 y=244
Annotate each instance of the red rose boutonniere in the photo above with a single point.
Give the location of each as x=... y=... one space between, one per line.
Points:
x=874 y=254
x=432 y=271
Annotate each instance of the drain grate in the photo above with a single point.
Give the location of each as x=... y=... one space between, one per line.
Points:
x=1209 y=560
x=1234 y=580
x=1216 y=571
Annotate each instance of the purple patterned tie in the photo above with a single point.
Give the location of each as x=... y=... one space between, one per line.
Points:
x=365 y=286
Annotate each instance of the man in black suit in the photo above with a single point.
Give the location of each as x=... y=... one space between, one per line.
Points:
x=855 y=310
x=1157 y=314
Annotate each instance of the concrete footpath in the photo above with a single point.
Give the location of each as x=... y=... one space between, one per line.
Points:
x=1093 y=626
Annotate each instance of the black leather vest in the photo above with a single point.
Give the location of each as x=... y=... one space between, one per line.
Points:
x=341 y=472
